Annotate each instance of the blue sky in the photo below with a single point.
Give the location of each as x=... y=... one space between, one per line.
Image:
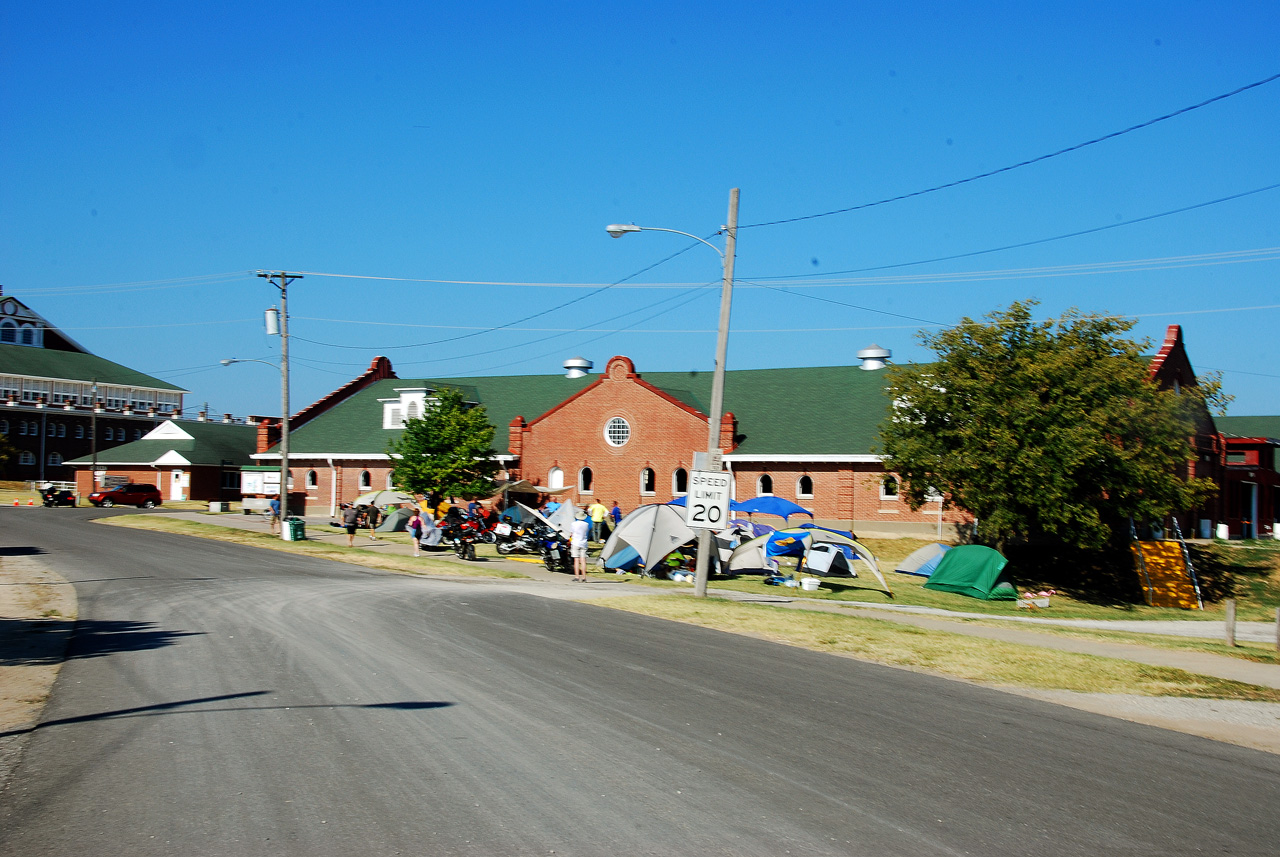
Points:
x=155 y=155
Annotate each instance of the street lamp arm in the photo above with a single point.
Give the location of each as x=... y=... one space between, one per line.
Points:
x=229 y=360
x=617 y=230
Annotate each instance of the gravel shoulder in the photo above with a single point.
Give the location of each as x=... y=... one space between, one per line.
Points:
x=37 y=614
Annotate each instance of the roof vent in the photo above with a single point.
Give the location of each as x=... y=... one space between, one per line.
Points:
x=577 y=367
x=874 y=357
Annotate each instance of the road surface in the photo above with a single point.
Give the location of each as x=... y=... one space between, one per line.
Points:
x=221 y=700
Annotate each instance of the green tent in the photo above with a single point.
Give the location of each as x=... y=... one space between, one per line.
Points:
x=975 y=571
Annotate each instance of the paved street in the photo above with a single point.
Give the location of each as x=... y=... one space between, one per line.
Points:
x=225 y=700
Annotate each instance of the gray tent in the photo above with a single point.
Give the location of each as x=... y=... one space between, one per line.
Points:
x=653 y=531
x=395 y=520
x=923 y=561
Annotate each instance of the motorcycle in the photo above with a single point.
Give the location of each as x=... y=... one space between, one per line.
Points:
x=516 y=540
x=463 y=533
x=53 y=497
x=555 y=551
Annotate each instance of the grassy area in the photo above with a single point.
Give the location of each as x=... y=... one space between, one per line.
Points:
x=1248 y=571
x=319 y=550
x=989 y=662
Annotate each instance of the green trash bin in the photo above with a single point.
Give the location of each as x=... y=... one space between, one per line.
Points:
x=295 y=530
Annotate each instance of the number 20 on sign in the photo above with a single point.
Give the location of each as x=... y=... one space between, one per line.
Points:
x=707 y=504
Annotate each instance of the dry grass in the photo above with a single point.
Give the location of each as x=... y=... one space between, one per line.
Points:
x=319 y=550
x=990 y=662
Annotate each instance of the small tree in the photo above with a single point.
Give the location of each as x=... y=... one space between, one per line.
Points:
x=1044 y=429
x=449 y=449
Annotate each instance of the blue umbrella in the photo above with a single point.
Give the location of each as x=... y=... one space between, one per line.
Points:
x=773 y=506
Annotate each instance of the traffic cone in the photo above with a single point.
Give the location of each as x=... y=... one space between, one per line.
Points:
x=16 y=503
x=31 y=502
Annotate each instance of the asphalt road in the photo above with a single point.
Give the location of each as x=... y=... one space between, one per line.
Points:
x=221 y=700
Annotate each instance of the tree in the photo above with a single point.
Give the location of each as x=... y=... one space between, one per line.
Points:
x=1044 y=430
x=448 y=449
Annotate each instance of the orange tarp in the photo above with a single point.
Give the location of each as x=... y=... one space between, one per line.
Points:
x=1162 y=571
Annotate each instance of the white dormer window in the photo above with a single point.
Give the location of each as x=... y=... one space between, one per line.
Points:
x=410 y=404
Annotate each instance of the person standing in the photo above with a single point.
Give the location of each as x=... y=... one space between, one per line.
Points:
x=275 y=514
x=598 y=513
x=371 y=518
x=615 y=515
x=351 y=521
x=578 y=547
x=414 y=528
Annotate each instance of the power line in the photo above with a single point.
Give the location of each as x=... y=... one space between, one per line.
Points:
x=1021 y=164
x=1021 y=244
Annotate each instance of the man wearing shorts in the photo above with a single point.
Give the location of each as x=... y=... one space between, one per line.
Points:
x=350 y=520
x=578 y=547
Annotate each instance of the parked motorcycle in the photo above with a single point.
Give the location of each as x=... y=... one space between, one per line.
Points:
x=463 y=533
x=517 y=539
x=555 y=551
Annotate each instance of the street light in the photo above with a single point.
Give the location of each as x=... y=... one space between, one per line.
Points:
x=730 y=230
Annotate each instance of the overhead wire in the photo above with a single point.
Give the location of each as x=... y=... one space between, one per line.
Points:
x=1020 y=164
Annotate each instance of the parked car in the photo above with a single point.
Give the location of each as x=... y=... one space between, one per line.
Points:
x=131 y=494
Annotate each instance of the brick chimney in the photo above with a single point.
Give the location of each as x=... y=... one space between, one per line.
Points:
x=515 y=437
x=728 y=431
x=268 y=432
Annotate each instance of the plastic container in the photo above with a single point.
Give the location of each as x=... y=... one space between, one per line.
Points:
x=810 y=584
x=295 y=530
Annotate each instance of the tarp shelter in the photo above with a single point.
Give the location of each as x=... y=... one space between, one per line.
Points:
x=769 y=505
x=395 y=520
x=975 y=571
x=755 y=555
x=923 y=561
x=652 y=531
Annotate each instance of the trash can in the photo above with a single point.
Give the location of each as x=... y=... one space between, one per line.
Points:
x=295 y=530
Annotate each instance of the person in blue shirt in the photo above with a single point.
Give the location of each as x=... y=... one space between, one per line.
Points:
x=275 y=514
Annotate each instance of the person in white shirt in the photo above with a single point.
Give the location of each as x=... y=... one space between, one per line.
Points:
x=578 y=547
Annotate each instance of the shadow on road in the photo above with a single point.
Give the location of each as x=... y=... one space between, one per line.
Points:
x=89 y=639
x=184 y=707
x=21 y=550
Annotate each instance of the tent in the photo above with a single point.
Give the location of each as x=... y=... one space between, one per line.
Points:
x=975 y=571
x=652 y=531
x=770 y=505
x=923 y=561
x=395 y=520
x=756 y=555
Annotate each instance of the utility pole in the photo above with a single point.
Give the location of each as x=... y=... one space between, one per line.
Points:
x=281 y=280
x=93 y=436
x=706 y=538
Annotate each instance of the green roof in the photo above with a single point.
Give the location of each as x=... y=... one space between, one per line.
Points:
x=1249 y=426
x=833 y=410
x=211 y=444
x=74 y=366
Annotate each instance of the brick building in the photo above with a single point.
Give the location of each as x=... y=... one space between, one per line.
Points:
x=58 y=401
x=1250 y=498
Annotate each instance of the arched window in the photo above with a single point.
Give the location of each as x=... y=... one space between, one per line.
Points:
x=555 y=478
x=8 y=332
x=584 y=480
x=764 y=485
x=108 y=434
x=137 y=434
x=28 y=335
x=411 y=411
x=22 y=426
x=680 y=481
x=62 y=430
x=648 y=481
x=80 y=432
x=4 y=426
x=55 y=459
x=26 y=457
x=889 y=488
x=389 y=483
x=804 y=487
x=313 y=479
x=365 y=480
x=51 y=429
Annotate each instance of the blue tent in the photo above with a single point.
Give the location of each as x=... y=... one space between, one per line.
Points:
x=772 y=506
x=923 y=561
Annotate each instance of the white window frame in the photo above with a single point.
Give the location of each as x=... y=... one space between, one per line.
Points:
x=652 y=480
x=27 y=458
x=675 y=484
x=620 y=423
x=802 y=495
x=760 y=492
x=313 y=480
x=583 y=486
x=366 y=481
x=897 y=487
x=555 y=478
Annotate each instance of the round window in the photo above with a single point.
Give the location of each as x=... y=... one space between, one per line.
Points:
x=617 y=431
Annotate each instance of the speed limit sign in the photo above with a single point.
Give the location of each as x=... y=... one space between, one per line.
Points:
x=707 y=503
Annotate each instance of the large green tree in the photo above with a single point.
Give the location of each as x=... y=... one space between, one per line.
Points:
x=1044 y=429
x=449 y=449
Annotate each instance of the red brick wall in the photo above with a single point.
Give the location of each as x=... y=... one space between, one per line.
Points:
x=345 y=474
x=664 y=435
